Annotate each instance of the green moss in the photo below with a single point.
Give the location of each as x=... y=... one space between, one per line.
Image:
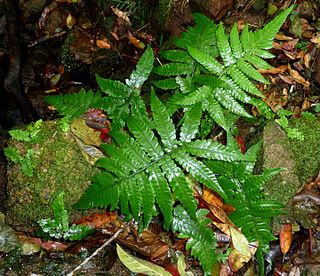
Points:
x=306 y=152
x=277 y=153
x=59 y=166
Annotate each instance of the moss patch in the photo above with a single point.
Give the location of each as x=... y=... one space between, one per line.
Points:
x=59 y=165
x=277 y=154
x=306 y=152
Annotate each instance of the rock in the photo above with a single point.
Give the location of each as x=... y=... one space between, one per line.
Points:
x=214 y=9
x=58 y=165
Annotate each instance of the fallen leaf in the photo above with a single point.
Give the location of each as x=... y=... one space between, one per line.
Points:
x=136 y=42
x=138 y=265
x=297 y=77
x=121 y=14
x=236 y=260
x=240 y=242
x=285 y=237
x=97 y=220
x=277 y=70
x=103 y=44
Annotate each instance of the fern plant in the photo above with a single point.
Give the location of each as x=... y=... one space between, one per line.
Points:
x=145 y=166
x=152 y=163
x=219 y=70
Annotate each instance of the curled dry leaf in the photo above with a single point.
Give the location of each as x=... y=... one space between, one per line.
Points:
x=103 y=44
x=298 y=78
x=285 y=237
x=121 y=14
x=278 y=70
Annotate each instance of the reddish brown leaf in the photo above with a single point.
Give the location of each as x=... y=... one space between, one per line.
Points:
x=277 y=70
x=285 y=237
x=97 y=220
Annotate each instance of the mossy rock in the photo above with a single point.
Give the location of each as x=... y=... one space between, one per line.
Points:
x=58 y=165
x=277 y=153
x=300 y=160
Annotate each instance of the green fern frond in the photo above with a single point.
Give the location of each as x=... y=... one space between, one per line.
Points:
x=177 y=56
x=202 y=36
x=265 y=36
x=163 y=123
x=202 y=241
x=154 y=156
x=166 y=84
x=244 y=191
x=207 y=61
x=232 y=59
x=112 y=88
x=191 y=123
x=224 y=46
x=173 y=69
x=143 y=70
x=74 y=105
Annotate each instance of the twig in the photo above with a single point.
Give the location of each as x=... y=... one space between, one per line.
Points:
x=46 y=38
x=116 y=234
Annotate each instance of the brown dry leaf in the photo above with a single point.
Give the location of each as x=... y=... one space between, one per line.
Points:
x=298 y=78
x=283 y=37
x=306 y=104
x=147 y=243
x=213 y=198
x=316 y=40
x=224 y=223
x=121 y=14
x=286 y=79
x=285 y=237
x=103 y=44
x=236 y=260
x=307 y=60
x=278 y=70
x=136 y=42
x=97 y=220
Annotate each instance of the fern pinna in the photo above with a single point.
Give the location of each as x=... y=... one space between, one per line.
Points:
x=244 y=191
x=145 y=166
x=219 y=70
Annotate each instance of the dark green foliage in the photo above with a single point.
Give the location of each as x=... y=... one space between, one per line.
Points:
x=244 y=191
x=219 y=70
x=74 y=105
x=202 y=241
x=59 y=226
x=149 y=165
